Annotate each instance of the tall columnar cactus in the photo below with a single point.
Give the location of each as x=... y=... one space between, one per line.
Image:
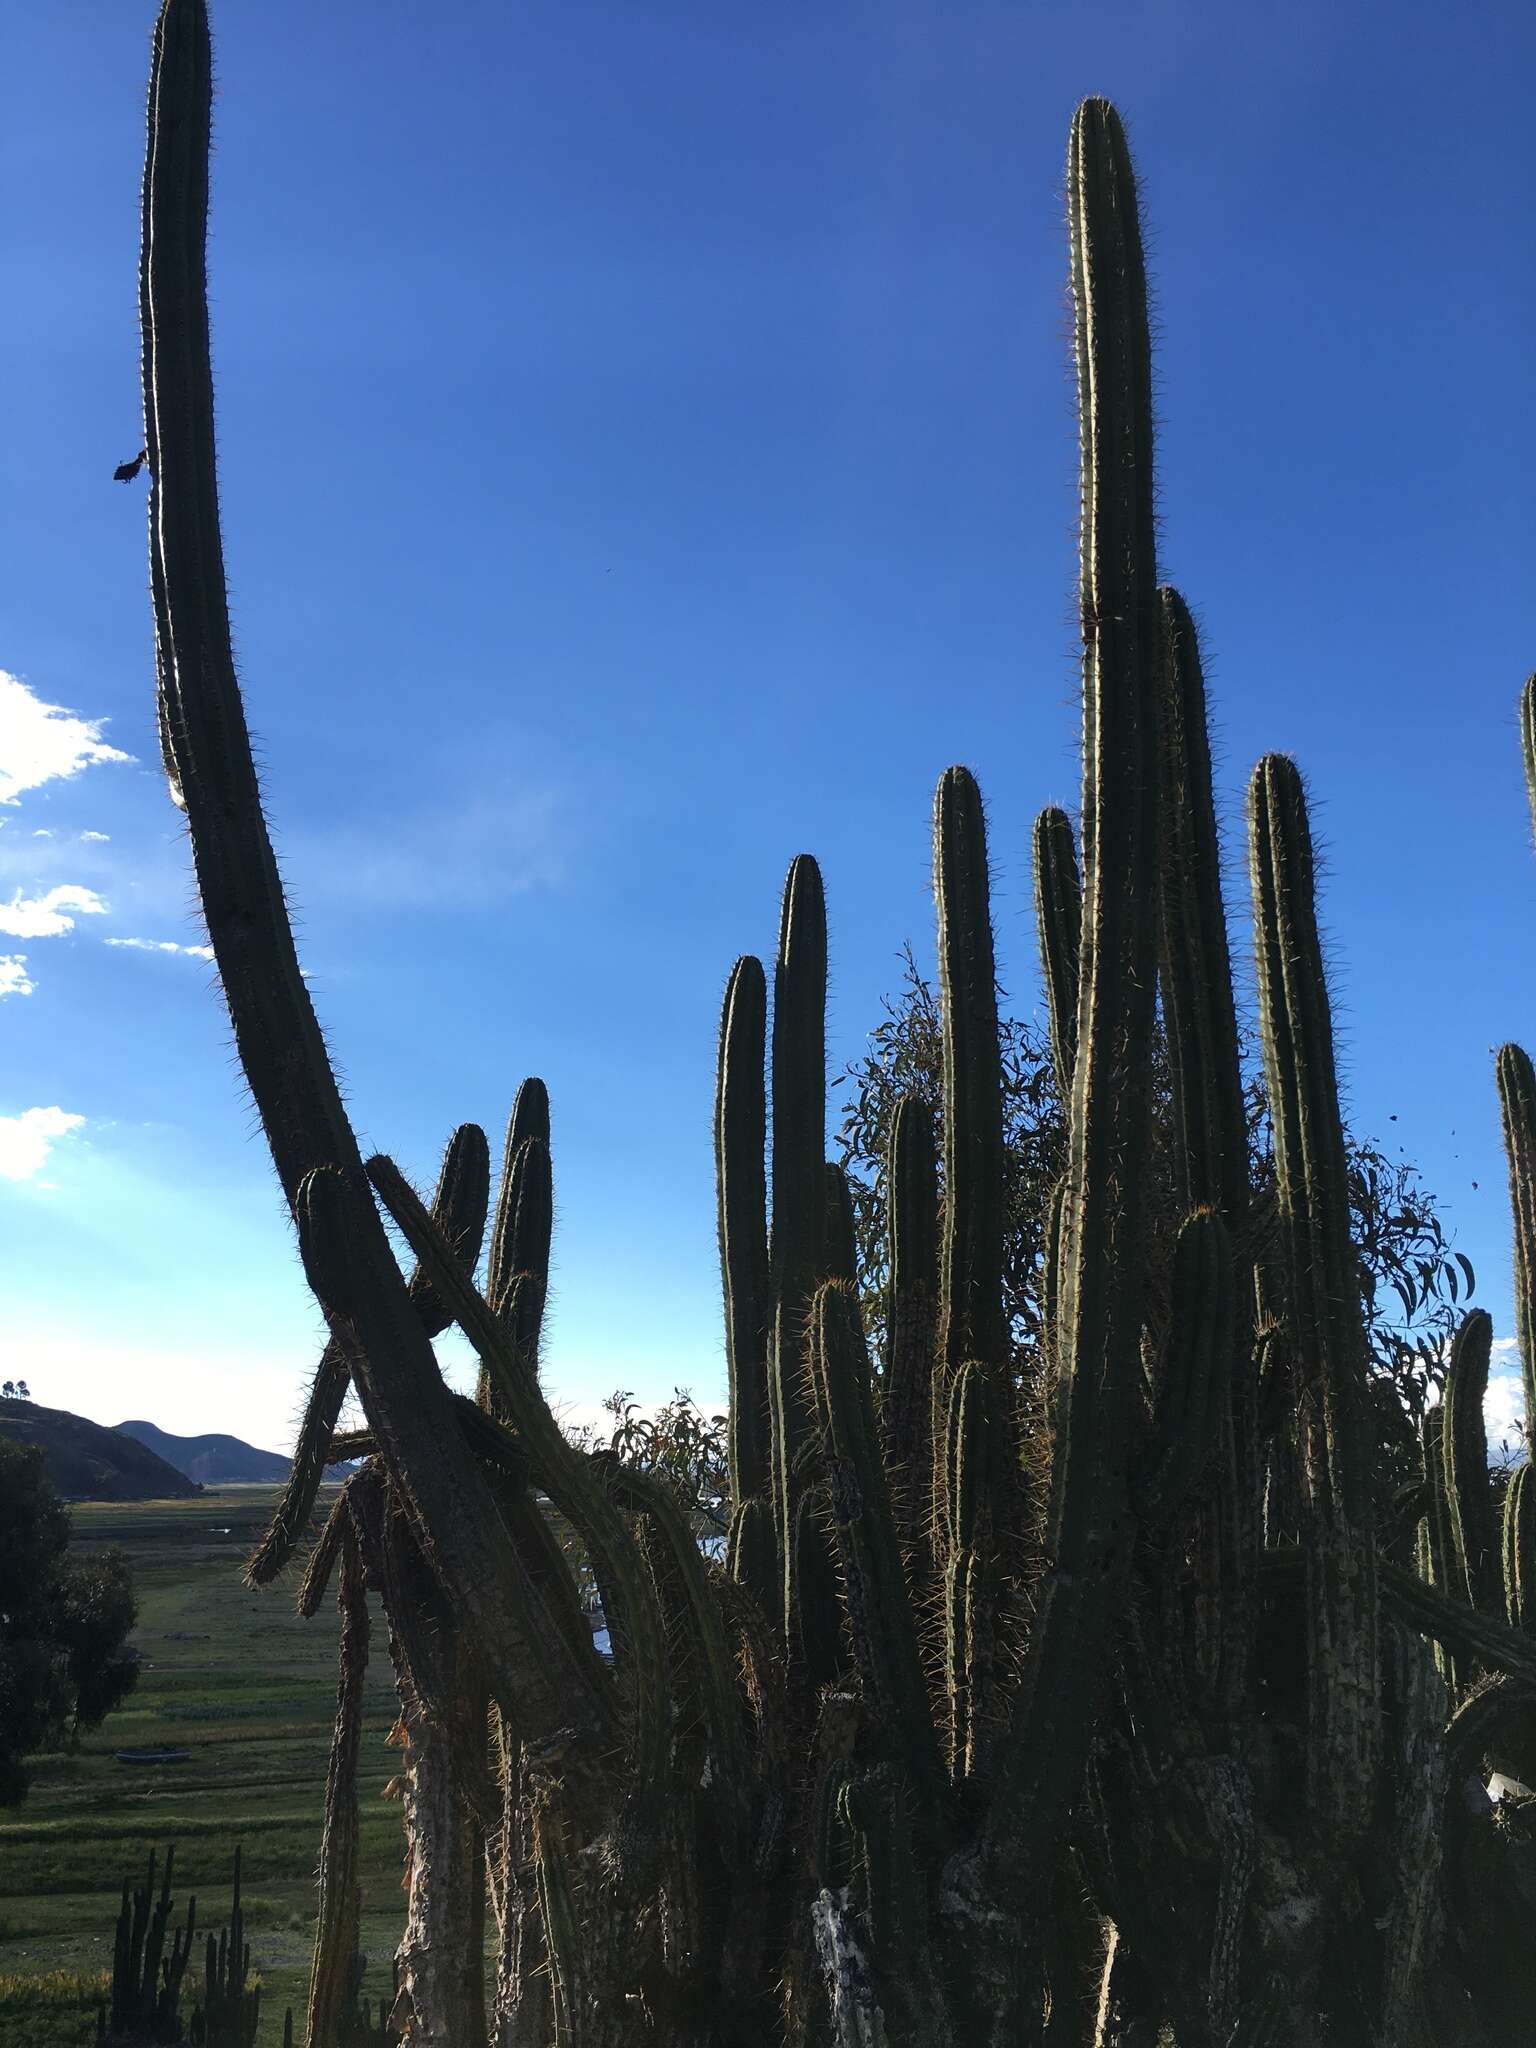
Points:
x=911 y=1321
x=1517 y=1101
x=798 y=1213
x=1472 y=1522
x=1059 y=921
x=1325 y=1318
x=874 y=1782
x=741 y=1131
x=1097 y=1342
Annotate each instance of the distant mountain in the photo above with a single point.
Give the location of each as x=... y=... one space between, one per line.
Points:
x=87 y=1462
x=215 y=1460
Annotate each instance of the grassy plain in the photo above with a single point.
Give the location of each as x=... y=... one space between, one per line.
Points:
x=248 y=1690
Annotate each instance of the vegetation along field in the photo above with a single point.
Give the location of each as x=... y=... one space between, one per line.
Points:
x=247 y=1690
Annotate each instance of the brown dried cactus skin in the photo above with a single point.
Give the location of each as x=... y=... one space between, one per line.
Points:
x=334 y=1972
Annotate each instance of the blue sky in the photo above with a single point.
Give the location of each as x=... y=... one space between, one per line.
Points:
x=647 y=453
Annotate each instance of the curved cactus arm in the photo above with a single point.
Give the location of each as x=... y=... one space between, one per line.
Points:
x=874 y=1588
x=799 y=1061
x=1517 y=1104
x=459 y=1205
x=1528 y=742
x=1059 y=922
x=1098 y=1339
x=741 y=1187
x=567 y=1475
x=525 y=1650
x=1327 y=1329
x=1479 y=1638
x=276 y=1031
x=1471 y=1516
x=332 y=1977
x=329 y=1546
x=1475 y=1727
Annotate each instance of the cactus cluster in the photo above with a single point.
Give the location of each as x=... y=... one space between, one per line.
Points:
x=1078 y=1694
x=147 y=1981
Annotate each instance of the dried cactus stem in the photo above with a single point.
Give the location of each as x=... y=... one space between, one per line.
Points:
x=334 y=1972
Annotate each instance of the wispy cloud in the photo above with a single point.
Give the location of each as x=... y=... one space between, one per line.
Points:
x=48 y=915
x=44 y=742
x=162 y=946
x=95 y=838
x=27 y=1140
x=459 y=856
x=14 y=978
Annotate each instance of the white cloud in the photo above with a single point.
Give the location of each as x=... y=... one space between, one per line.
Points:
x=42 y=832
x=44 y=742
x=95 y=838
x=162 y=946
x=14 y=978
x=468 y=855
x=46 y=916
x=1503 y=1409
x=26 y=1140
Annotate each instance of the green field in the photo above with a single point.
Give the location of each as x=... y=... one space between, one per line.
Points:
x=248 y=1690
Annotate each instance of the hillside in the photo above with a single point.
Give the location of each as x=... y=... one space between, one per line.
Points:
x=212 y=1459
x=87 y=1462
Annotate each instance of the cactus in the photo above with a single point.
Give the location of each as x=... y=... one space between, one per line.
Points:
x=1343 y=1667
x=741 y=1128
x=798 y=1195
x=1472 y=1525
x=334 y=1974
x=146 y=1981
x=911 y=1323
x=848 y=1789
x=1059 y=920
